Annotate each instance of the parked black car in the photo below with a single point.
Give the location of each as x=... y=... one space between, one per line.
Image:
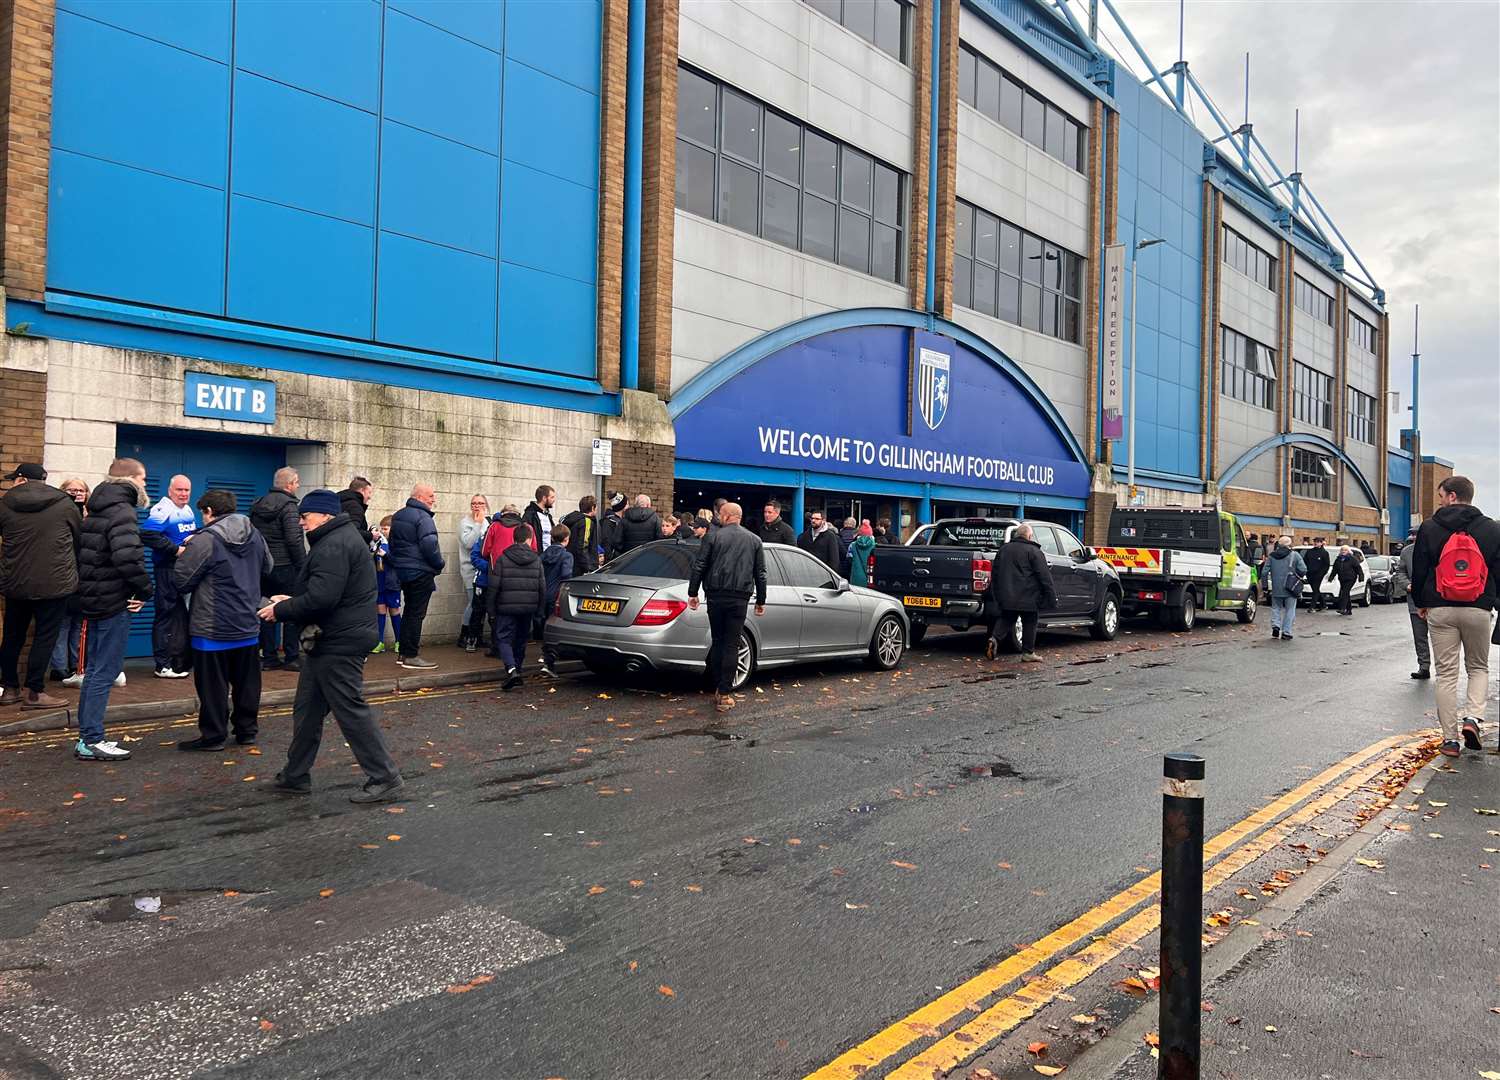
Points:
x=1385 y=587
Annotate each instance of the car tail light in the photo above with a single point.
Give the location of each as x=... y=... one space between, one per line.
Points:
x=1151 y=595
x=660 y=612
x=870 y=568
x=981 y=569
x=557 y=604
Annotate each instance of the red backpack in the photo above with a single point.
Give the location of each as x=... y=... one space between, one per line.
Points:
x=1461 y=570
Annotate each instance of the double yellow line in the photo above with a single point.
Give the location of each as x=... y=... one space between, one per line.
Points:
x=960 y=1043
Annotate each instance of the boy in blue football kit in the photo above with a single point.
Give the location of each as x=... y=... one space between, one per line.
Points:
x=387 y=586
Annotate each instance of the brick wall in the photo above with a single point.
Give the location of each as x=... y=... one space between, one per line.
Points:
x=643 y=468
x=25 y=135
x=21 y=419
x=1432 y=474
x=1313 y=509
x=658 y=195
x=1257 y=503
x=611 y=188
x=947 y=185
x=916 y=239
x=1096 y=518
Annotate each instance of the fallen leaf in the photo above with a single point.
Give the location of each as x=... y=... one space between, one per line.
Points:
x=694 y=888
x=231 y=892
x=903 y=865
x=266 y=1025
x=1152 y=1039
x=1433 y=802
x=632 y=966
x=1037 y=1048
x=434 y=764
x=1435 y=835
x=1003 y=865
x=1049 y=1070
x=1083 y=1018
x=1485 y=812
x=118 y=798
x=370 y=847
x=1132 y=986
x=253 y=751
x=664 y=990
x=395 y=809
x=636 y=883
x=1271 y=1027
x=1489 y=1074
x=394 y=836
x=979 y=1073
x=1206 y=1006
x=855 y=907
x=79 y=795
x=794 y=842
x=1374 y=864
x=325 y=893
x=1235 y=1020
x=595 y=890
x=247 y=779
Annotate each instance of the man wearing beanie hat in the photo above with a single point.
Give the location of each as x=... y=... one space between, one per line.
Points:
x=612 y=528
x=335 y=605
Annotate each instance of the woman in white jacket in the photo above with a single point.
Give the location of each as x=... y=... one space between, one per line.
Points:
x=470 y=529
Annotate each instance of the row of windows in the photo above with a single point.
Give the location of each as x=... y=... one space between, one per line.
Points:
x=883 y=23
x=1000 y=269
x=1312 y=300
x=1363 y=334
x=1007 y=100
x=1249 y=260
x=1248 y=370
x=1312 y=474
x=745 y=165
x=1312 y=395
x=1361 y=413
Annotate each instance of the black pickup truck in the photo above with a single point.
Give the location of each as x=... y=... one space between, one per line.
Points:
x=942 y=577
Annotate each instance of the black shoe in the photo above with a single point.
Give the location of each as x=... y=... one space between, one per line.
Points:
x=245 y=740
x=1286 y=637
x=1471 y=735
x=294 y=664
x=512 y=680
x=470 y=646
x=288 y=787
x=269 y=663
x=1275 y=631
x=208 y=746
x=56 y=676
x=1421 y=673
x=383 y=792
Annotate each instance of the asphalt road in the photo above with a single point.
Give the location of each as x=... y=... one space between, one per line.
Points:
x=593 y=880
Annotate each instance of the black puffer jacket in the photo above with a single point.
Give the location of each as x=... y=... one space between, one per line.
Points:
x=1317 y=560
x=1023 y=580
x=730 y=562
x=274 y=516
x=111 y=558
x=518 y=583
x=640 y=525
x=776 y=532
x=335 y=590
x=610 y=534
x=823 y=545
x=1347 y=568
x=352 y=503
x=39 y=529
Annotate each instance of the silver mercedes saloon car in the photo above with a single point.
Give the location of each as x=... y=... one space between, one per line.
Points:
x=631 y=616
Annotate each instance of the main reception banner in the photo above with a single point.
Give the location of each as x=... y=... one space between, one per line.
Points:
x=885 y=402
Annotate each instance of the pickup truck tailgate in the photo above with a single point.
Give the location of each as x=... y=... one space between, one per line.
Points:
x=928 y=579
x=1163 y=562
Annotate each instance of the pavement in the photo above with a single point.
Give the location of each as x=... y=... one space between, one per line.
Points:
x=589 y=878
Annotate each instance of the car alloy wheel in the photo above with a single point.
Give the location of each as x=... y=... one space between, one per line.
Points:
x=744 y=661
x=889 y=643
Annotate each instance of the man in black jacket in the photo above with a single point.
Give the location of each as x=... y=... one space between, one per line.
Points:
x=113 y=584
x=1317 y=572
x=640 y=525
x=335 y=601
x=583 y=536
x=821 y=541
x=39 y=530
x=731 y=561
x=354 y=500
x=1023 y=585
x=773 y=530
x=518 y=594
x=1459 y=626
x=275 y=517
x=538 y=516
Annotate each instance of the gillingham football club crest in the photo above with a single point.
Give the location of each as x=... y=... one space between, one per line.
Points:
x=933 y=381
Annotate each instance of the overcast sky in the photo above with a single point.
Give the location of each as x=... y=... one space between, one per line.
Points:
x=1401 y=144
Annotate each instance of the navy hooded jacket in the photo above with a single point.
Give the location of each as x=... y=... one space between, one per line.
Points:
x=222 y=566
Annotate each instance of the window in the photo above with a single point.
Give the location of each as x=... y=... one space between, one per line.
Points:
x=1363 y=334
x=1007 y=101
x=992 y=257
x=667 y=561
x=1070 y=544
x=802 y=571
x=741 y=163
x=1047 y=539
x=1312 y=300
x=1249 y=260
x=883 y=23
x=1248 y=370
x=1312 y=395
x=1312 y=474
x=1361 y=412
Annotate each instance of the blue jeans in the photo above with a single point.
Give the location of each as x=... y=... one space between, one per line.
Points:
x=104 y=659
x=511 y=633
x=65 y=652
x=1283 y=613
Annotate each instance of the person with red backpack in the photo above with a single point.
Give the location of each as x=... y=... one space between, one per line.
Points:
x=1456 y=579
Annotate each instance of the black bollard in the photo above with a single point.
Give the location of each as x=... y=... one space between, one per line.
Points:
x=1181 y=917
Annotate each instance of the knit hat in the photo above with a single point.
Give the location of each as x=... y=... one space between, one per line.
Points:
x=617 y=501
x=321 y=501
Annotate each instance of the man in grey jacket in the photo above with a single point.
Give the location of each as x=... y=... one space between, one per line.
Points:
x=1418 y=624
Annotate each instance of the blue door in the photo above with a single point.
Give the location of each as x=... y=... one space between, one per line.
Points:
x=236 y=463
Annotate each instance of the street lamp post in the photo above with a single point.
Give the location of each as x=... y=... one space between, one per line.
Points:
x=1141 y=245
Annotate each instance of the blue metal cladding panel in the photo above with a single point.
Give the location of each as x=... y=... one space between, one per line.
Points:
x=124 y=98
x=437 y=82
x=1160 y=197
x=549 y=224
x=546 y=321
x=301 y=150
x=201 y=27
x=273 y=280
x=114 y=231
x=473 y=20
x=551 y=125
x=331 y=49
x=559 y=37
x=436 y=298
x=438 y=190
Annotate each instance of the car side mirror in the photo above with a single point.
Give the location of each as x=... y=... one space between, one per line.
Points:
x=842 y=585
x=1086 y=555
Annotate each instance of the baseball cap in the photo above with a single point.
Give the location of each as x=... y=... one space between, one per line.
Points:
x=29 y=470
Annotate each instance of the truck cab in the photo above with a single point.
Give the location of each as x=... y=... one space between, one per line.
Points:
x=1177 y=561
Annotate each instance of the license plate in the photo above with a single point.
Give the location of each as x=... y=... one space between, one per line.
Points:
x=923 y=601
x=595 y=606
